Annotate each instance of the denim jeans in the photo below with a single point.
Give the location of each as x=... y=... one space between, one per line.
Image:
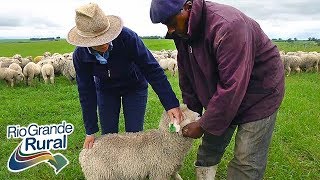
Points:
x=134 y=108
x=252 y=141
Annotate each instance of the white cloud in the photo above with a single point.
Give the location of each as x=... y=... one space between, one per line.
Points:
x=33 y=18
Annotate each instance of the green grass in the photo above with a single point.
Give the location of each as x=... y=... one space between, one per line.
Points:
x=294 y=151
x=37 y=48
x=307 y=46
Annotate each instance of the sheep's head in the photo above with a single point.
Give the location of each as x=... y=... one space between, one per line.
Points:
x=17 y=56
x=19 y=77
x=29 y=58
x=47 y=54
x=188 y=117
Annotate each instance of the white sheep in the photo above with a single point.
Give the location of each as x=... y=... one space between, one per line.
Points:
x=47 y=72
x=46 y=54
x=173 y=66
x=25 y=61
x=156 y=154
x=65 y=67
x=309 y=62
x=10 y=76
x=164 y=63
x=30 y=71
x=16 y=67
x=291 y=62
x=7 y=61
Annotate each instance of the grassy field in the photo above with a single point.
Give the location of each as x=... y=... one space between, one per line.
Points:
x=33 y=48
x=294 y=151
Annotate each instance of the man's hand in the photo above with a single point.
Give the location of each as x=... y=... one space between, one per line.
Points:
x=175 y=114
x=88 y=142
x=192 y=130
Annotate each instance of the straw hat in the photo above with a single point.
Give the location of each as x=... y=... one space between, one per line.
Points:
x=93 y=27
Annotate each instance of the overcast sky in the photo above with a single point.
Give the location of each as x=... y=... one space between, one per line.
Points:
x=50 y=18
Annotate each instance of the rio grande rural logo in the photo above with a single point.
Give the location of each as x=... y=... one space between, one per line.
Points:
x=37 y=141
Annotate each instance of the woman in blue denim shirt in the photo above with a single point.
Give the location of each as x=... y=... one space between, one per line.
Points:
x=113 y=66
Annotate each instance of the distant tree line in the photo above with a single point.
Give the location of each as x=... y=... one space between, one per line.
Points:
x=45 y=39
x=152 y=37
x=296 y=39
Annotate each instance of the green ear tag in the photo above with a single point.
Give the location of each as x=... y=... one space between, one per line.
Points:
x=172 y=128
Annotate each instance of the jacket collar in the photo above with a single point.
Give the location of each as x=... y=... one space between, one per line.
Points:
x=195 y=24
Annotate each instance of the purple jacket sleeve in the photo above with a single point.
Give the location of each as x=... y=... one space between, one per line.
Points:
x=87 y=94
x=234 y=47
x=188 y=95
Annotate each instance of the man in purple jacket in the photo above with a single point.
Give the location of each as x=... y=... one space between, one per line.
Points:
x=228 y=66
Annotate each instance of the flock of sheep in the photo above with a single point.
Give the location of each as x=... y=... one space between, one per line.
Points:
x=16 y=69
x=300 y=61
x=293 y=61
x=167 y=59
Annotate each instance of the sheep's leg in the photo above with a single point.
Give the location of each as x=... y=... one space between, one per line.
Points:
x=316 y=68
x=309 y=69
x=7 y=82
x=45 y=79
x=52 y=79
x=29 y=81
x=298 y=70
x=289 y=70
x=12 y=82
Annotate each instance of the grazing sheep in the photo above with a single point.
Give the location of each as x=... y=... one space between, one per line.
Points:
x=25 y=61
x=47 y=72
x=291 y=62
x=164 y=63
x=58 y=63
x=10 y=76
x=65 y=67
x=46 y=54
x=66 y=55
x=30 y=71
x=7 y=61
x=38 y=58
x=173 y=66
x=68 y=70
x=309 y=62
x=282 y=53
x=157 y=153
x=16 y=67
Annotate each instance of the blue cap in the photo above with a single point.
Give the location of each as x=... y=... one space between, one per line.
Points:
x=161 y=10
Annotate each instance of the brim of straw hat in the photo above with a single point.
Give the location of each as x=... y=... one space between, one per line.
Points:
x=114 y=30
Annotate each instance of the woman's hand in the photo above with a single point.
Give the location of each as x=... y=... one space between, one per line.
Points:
x=175 y=114
x=88 y=142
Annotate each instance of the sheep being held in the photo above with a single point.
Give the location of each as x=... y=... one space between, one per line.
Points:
x=157 y=153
